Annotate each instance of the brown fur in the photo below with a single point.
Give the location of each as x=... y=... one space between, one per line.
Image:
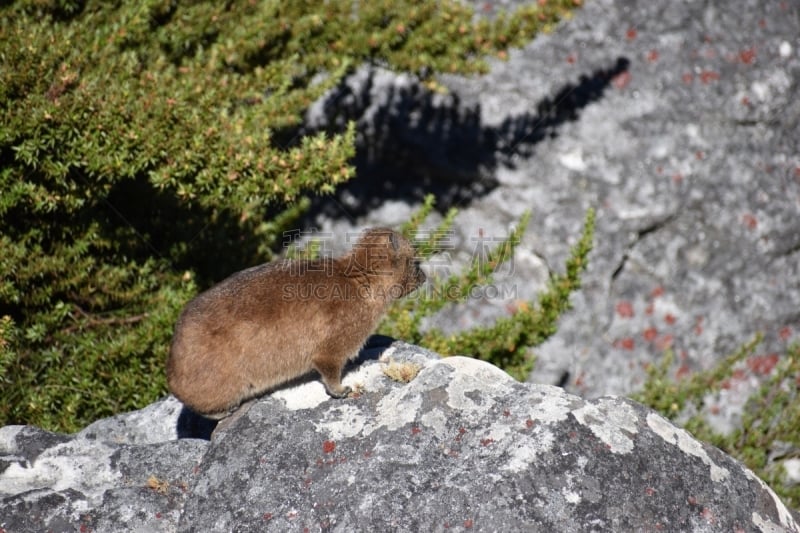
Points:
x=272 y=323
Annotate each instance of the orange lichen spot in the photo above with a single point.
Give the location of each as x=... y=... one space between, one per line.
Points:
x=625 y=309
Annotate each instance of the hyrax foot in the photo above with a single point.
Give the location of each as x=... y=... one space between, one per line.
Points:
x=331 y=371
x=343 y=392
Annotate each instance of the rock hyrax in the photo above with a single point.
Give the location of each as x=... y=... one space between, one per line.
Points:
x=272 y=323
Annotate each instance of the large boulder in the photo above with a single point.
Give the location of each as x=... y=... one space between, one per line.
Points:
x=458 y=446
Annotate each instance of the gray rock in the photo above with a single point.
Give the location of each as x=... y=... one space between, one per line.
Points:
x=461 y=446
x=75 y=483
x=691 y=159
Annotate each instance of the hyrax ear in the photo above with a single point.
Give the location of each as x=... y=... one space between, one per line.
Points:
x=395 y=242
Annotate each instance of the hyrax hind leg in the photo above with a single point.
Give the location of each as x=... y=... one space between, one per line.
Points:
x=330 y=368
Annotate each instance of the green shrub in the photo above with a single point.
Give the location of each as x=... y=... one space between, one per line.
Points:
x=149 y=150
x=506 y=342
x=770 y=426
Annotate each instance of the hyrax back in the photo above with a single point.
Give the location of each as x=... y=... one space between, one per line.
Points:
x=269 y=324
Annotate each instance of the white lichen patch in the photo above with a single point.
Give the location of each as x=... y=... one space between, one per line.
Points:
x=435 y=420
x=79 y=464
x=396 y=409
x=688 y=444
x=611 y=421
x=498 y=432
x=573 y=160
x=765 y=525
x=554 y=406
x=571 y=490
x=523 y=453
x=571 y=496
x=343 y=421
x=483 y=379
x=8 y=439
x=399 y=407
x=787 y=520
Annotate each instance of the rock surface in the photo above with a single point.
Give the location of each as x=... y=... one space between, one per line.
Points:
x=678 y=121
x=461 y=446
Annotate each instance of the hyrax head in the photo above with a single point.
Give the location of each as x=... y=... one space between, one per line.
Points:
x=391 y=258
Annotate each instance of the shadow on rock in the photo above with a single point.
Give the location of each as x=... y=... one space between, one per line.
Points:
x=373 y=349
x=194 y=426
x=412 y=141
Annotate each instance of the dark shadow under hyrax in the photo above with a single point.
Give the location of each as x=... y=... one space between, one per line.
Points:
x=415 y=142
x=191 y=425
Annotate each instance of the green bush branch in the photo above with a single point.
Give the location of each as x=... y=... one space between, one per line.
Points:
x=769 y=431
x=506 y=342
